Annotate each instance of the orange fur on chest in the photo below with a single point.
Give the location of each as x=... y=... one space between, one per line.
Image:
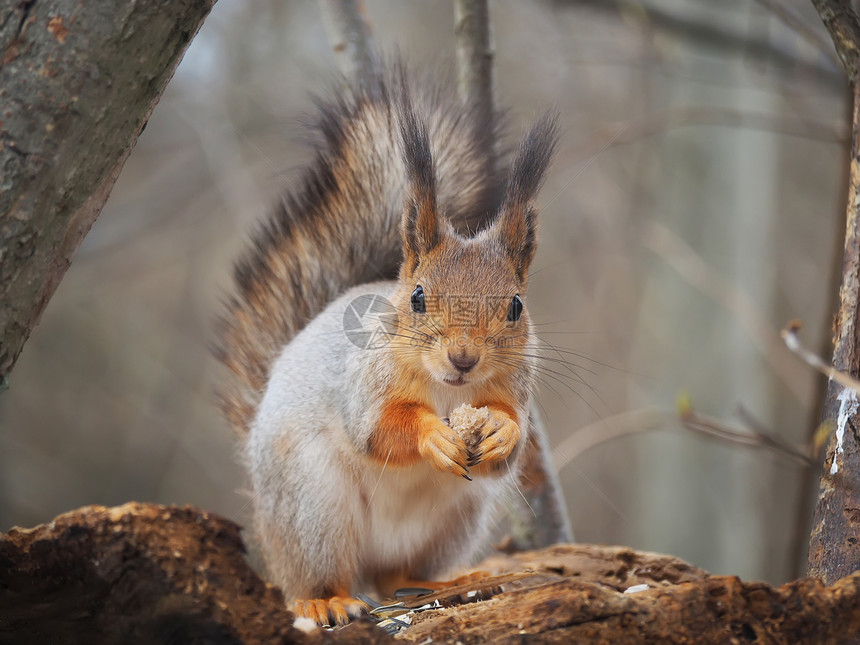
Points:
x=407 y=416
x=401 y=424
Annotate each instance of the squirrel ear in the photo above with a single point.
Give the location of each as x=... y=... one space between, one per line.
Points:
x=421 y=230
x=516 y=225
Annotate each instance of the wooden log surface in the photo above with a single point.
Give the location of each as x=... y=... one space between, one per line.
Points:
x=139 y=572
x=143 y=573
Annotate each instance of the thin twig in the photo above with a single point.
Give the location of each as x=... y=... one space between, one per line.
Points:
x=750 y=438
x=687 y=263
x=789 y=336
x=608 y=429
x=637 y=421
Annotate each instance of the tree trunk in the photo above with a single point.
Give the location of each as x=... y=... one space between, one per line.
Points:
x=834 y=546
x=834 y=550
x=78 y=82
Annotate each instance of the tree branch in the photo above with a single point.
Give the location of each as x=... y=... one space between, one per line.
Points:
x=78 y=82
x=475 y=78
x=349 y=32
x=844 y=26
x=475 y=55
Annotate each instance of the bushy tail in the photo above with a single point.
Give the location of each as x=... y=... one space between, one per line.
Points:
x=341 y=225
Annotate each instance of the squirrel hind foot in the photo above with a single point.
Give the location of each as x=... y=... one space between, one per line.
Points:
x=332 y=611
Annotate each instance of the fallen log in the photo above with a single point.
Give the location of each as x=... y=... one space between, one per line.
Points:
x=143 y=573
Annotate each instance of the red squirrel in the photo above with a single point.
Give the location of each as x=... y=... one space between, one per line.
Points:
x=358 y=480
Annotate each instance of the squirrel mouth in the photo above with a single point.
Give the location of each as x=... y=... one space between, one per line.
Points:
x=457 y=380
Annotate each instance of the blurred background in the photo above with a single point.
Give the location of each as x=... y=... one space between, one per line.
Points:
x=695 y=206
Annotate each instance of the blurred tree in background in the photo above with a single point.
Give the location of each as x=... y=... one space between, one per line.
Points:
x=693 y=209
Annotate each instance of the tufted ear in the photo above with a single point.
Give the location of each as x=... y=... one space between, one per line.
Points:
x=422 y=230
x=516 y=225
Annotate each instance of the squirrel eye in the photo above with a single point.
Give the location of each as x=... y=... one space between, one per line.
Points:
x=516 y=309
x=418 y=304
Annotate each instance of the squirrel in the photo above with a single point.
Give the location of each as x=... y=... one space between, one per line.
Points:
x=357 y=478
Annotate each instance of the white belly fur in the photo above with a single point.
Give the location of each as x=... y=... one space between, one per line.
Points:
x=408 y=506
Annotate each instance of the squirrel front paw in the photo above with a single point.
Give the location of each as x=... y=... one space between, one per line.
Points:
x=444 y=449
x=498 y=438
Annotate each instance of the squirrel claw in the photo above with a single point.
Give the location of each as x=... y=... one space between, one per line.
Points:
x=337 y=610
x=498 y=441
x=445 y=451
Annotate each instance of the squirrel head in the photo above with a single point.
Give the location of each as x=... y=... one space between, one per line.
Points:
x=461 y=300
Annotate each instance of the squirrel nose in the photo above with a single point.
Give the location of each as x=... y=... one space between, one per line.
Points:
x=464 y=362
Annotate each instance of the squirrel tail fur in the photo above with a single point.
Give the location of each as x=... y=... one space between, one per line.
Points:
x=341 y=225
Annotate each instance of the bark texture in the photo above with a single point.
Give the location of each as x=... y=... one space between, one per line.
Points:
x=842 y=22
x=552 y=608
x=834 y=546
x=137 y=573
x=143 y=573
x=78 y=81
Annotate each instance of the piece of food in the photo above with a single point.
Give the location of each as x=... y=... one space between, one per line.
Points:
x=467 y=422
